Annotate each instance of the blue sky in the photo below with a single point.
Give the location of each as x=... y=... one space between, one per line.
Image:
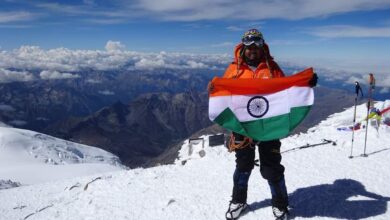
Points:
x=340 y=33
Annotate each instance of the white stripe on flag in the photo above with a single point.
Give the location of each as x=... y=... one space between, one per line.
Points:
x=301 y=96
x=279 y=103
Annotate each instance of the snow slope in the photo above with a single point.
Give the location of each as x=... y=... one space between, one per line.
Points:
x=323 y=183
x=28 y=157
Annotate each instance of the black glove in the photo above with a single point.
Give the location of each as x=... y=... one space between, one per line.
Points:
x=313 y=80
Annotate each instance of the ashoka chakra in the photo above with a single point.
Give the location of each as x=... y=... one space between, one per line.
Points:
x=257 y=106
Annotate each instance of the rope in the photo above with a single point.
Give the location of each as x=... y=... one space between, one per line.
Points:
x=240 y=145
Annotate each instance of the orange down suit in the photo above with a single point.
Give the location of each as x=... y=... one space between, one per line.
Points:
x=239 y=69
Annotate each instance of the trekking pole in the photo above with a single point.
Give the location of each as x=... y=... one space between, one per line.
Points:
x=357 y=89
x=370 y=88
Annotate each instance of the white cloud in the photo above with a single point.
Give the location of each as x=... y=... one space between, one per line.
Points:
x=235 y=28
x=384 y=90
x=15 y=26
x=114 y=46
x=104 y=21
x=106 y=92
x=289 y=42
x=145 y=63
x=64 y=60
x=246 y=26
x=15 y=16
x=69 y=9
x=50 y=74
x=340 y=31
x=196 y=65
x=188 y=10
x=14 y=76
x=6 y=108
x=17 y=122
x=42 y=119
x=89 y=2
x=93 y=81
x=89 y=10
x=347 y=71
x=356 y=78
x=20 y=64
x=223 y=44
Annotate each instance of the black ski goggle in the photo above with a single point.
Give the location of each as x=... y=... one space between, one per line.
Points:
x=249 y=40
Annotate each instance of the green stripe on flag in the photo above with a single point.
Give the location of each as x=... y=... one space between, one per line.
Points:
x=264 y=129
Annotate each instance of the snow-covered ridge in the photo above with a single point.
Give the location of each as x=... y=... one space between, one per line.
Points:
x=26 y=155
x=52 y=150
x=323 y=183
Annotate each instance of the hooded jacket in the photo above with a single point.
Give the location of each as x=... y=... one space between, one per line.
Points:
x=267 y=68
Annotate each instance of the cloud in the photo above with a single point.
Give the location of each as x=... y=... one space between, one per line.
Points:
x=114 y=46
x=384 y=90
x=189 y=10
x=50 y=74
x=14 y=76
x=6 y=108
x=89 y=2
x=342 y=31
x=223 y=44
x=235 y=28
x=246 y=26
x=16 y=26
x=104 y=21
x=15 y=16
x=93 y=81
x=61 y=62
x=146 y=63
x=106 y=92
x=33 y=63
x=197 y=26
x=17 y=122
x=289 y=42
x=93 y=10
x=345 y=71
x=196 y=65
x=68 y=9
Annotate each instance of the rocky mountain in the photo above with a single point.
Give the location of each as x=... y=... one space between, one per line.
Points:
x=140 y=130
x=37 y=104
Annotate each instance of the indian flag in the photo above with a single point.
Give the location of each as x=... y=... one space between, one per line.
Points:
x=261 y=109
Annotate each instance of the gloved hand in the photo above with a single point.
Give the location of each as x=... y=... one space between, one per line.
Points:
x=313 y=80
x=210 y=87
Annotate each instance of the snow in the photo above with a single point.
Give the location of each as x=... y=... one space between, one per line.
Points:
x=29 y=157
x=6 y=184
x=323 y=183
x=2 y=124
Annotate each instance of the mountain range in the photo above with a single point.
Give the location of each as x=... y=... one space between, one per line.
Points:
x=140 y=116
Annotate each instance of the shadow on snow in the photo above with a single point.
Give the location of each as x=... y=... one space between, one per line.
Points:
x=375 y=152
x=334 y=201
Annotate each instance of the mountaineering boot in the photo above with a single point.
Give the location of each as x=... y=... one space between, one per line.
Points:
x=235 y=210
x=280 y=214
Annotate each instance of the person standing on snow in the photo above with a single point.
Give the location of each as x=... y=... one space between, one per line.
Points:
x=253 y=60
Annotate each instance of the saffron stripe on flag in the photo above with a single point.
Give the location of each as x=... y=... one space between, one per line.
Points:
x=259 y=86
